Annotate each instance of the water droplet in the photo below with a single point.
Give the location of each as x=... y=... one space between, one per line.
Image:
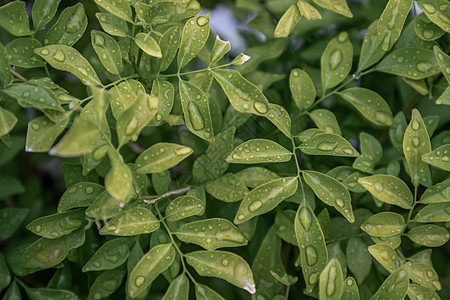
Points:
x=255 y=205
x=335 y=59
x=384 y=118
x=44 y=51
x=327 y=146
x=26 y=94
x=139 y=281
x=99 y=40
x=202 y=21
x=340 y=203
x=311 y=255
x=305 y=218
x=378 y=187
x=424 y=66
x=132 y=126
x=260 y=107
x=35 y=126
x=89 y=190
x=295 y=73
x=331 y=284
x=428 y=34
x=350 y=281
x=75 y=21
x=415 y=141
x=342 y=37
x=195 y=117
x=415 y=125
x=38 y=228
x=158 y=117
x=240 y=217
x=183 y=151
x=100 y=152
x=59 y=55
x=429 y=8
x=348 y=151
x=225 y=262
x=312 y=279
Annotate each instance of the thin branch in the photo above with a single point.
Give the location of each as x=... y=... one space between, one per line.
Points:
x=171 y=193
x=135 y=148
x=18 y=75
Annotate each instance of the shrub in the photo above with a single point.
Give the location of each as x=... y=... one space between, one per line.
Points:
x=313 y=166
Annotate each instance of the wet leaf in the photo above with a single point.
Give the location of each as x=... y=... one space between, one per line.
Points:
x=148 y=44
x=370 y=104
x=161 y=157
x=437 y=193
x=166 y=11
x=220 y=49
x=161 y=182
x=11 y=219
x=178 y=289
x=326 y=121
x=124 y=94
x=438 y=157
x=120 y=8
x=255 y=176
x=69 y=27
x=13 y=292
x=416 y=292
x=203 y=292
x=391 y=22
x=280 y=118
x=437 y=11
x=21 y=51
x=328 y=144
x=371 y=51
x=288 y=21
x=265 y=197
x=29 y=95
x=79 y=195
x=43 y=12
x=106 y=283
x=415 y=144
x=331 y=192
x=384 y=224
x=228 y=188
x=331 y=284
x=359 y=260
x=196 y=110
x=395 y=286
x=302 y=87
x=119 y=181
x=151 y=265
x=425 y=275
x=351 y=291
x=410 y=62
x=57 y=225
x=112 y=25
x=169 y=44
x=444 y=62
x=189 y=46
x=14 y=18
x=284 y=222
x=107 y=50
x=308 y=11
x=259 y=151
x=336 y=61
x=5 y=74
x=7 y=121
x=434 y=212
x=386 y=256
x=68 y=59
x=211 y=234
x=397 y=132
x=42 y=133
x=110 y=255
x=46 y=293
x=183 y=207
x=224 y=265
x=429 y=235
x=389 y=189
x=313 y=253
x=338 y=6
x=164 y=90
x=132 y=221
x=426 y=29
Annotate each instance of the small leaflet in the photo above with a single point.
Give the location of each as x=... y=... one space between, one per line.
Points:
x=110 y=255
x=331 y=285
x=439 y=157
x=108 y=51
x=437 y=11
x=287 y=22
x=104 y=207
x=384 y=224
x=389 y=189
x=7 y=121
x=434 y=212
x=211 y=234
x=119 y=181
x=203 y=292
x=28 y=95
x=328 y=144
x=336 y=61
x=183 y=207
x=397 y=131
x=148 y=44
x=338 y=6
x=331 y=192
x=395 y=286
x=169 y=44
x=178 y=289
x=220 y=49
x=417 y=292
x=57 y=225
x=227 y=188
x=280 y=118
x=81 y=194
x=124 y=94
x=302 y=88
x=165 y=91
x=161 y=157
x=437 y=193
x=224 y=265
x=106 y=284
x=5 y=73
x=197 y=27
x=265 y=198
x=308 y=11
x=391 y=22
x=425 y=275
x=370 y=104
x=284 y=222
x=21 y=51
x=386 y=256
x=371 y=51
x=429 y=235
x=43 y=12
x=112 y=25
x=351 y=291
x=151 y=265
x=14 y=18
x=259 y=151
x=132 y=221
x=326 y=121
x=313 y=253
x=120 y=8
x=416 y=143
x=358 y=257
x=426 y=29
x=255 y=176
x=69 y=27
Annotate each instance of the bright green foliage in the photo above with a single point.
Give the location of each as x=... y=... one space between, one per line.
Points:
x=313 y=165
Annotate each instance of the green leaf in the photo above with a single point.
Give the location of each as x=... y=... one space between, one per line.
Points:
x=259 y=151
x=148 y=44
x=5 y=74
x=444 y=98
x=371 y=153
x=225 y=265
x=386 y=256
x=132 y=221
x=227 y=188
x=351 y=291
x=331 y=284
x=43 y=12
x=280 y=118
x=107 y=50
x=14 y=18
x=11 y=218
x=164 y=90
x=302 y=88
x=169 y=44
x=437 y=11
x=438 y=157
x=109 y=256
x=265 y=198
x=416 y=292
x=287 y=22
x=308 y=11
x=434 y=212
x=119 y=181
x=120 y=8
x=106 y=284
x=196 y=110
x=7 y=121
x=410 y=62
x=359 y=260
x=313 y=253
x=133 y=119
x=5 y=276
x=328 y=144
x=57 y=225
x=178 y=289
x=219 y=50
x=69 y=28
x=429 y=235
x=437 y=193
x=211 y=234
x=104 y=207
x=79 y=195
x=331 y=192
x=370 y=104
x=124 y=94
x=68 y=59
x=197 y=27
x=371 y=51
x=13 y=292
x=336 y=61
x=425 y=275
x=183 y=207
x=32 y=96
x=416 y=143
x=444 y=61
x=391 y=22
x=384 y=224
x=255 y=176
x=161 y=182
x=161 y=157
x=244 y=96
x=166 y=11
x=21 y=51
x=112 y=25
x=203 y=292
x=45 y=293
x=338 y=6
x=397 y=132
x=153 y=263
x=42 y=133
x=326 y=121
x=267 y=261
x=389 y=189
x=395 y=286
x=426 y=29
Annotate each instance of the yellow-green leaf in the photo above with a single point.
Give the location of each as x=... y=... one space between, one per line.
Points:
x=131 y=222
x=148 y=44
x=43 y=12
x=395 y=286
x=22 y=54
x=437 y=193
x=331 y=285
x=287 y=22
x=110 y=255
x=112 y=24
x=386 y=256
x=183 y=207
x=384 y=224
x=302 y=88
x=14 y=18
x=160 y=157
x=7 y=121
x=437 y=11
x=308 y=11
x=259 y=151
x=328 y=144
x=371 y=51
x=326 y=121
x=429 y=235
x=197 y=27
x=42 y=133
x=119 y=181
x=227 y=188
x=438 y=157
x=108 y=51
x=120 y=8
x=69 y=28
x=338 y=6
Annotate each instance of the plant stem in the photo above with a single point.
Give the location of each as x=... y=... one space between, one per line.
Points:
x=171 y=193
x=18 y=75
x=408 y=220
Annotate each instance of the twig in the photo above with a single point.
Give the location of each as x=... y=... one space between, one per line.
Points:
x=171 y=193
x=18 y=75
x=135 y=148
